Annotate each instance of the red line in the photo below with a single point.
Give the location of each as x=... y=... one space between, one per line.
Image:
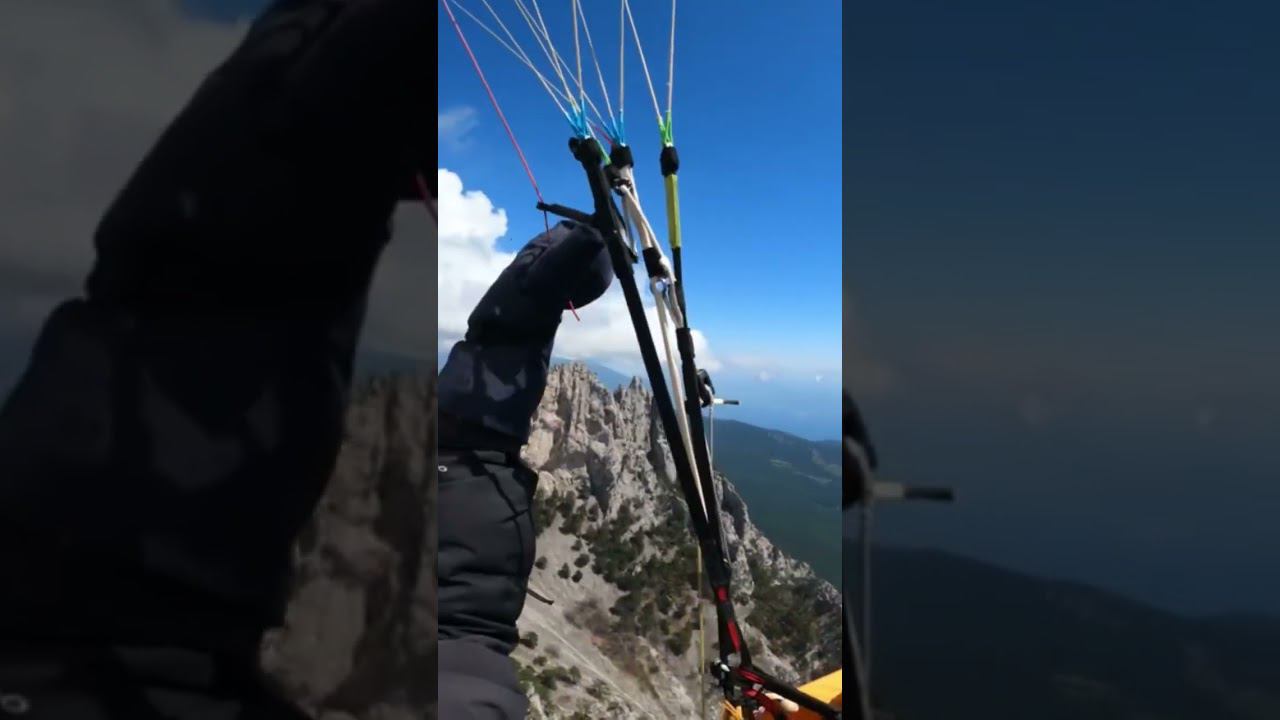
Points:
x=492 y=98
x=501 y=116
x=601 y=130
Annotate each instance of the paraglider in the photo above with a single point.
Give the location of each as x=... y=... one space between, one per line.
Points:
x=681 y=392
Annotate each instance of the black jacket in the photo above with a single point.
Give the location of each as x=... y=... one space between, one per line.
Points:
x=494 y=378
x=175 y=428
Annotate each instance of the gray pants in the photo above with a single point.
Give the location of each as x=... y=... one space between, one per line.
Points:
x=478 y=683
x=486 y=553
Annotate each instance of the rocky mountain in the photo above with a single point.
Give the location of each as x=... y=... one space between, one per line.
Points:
x=617 y=559
x=620 y=640
x=961 y=639
x=798 y=480
x=615 y=555
x=611 y=378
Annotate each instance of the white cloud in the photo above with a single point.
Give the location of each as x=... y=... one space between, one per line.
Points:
x=469 y=258
x=470 y=227
x=786 y=370
x=454 y=125
x=606 y=334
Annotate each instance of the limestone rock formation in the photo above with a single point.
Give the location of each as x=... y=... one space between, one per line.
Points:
x=615 y=555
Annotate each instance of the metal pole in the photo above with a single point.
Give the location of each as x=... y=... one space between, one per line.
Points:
x=702 y=652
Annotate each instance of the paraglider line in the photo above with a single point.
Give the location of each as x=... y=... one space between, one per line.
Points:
x=492 y=98
x=546 y=220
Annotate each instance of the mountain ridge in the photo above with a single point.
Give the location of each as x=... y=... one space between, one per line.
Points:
x=1018 y=645
x=955 y=637
x=617 y=556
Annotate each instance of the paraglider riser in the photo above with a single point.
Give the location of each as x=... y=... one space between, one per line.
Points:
x=741 y=682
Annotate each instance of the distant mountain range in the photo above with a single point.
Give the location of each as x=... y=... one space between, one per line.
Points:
x=792 y=487
x=790 y=484
x=958 y=639
x=611 y=378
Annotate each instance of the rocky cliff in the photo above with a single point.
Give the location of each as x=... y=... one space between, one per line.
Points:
x=615 y=556
x=618 y=561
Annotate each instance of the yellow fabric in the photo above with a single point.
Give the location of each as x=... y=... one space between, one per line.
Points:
x=673 y=211
x=828 y=688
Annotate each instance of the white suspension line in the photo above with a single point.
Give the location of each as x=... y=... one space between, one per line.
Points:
x=577 y=51
x=544 y=41
x=523 y=55
x=604 y=90
x=643 y=63
x=590 y=104
x=677 y=386
x=563 y=71
x=622 y=53
x=671 y=59
x=517 y=51
x=557 y=57
x=669 y=316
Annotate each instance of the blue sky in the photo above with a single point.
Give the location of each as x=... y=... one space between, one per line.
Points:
x=757 y=122
x=1063 y=225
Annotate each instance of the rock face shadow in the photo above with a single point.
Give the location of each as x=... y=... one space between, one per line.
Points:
x=359 y=638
